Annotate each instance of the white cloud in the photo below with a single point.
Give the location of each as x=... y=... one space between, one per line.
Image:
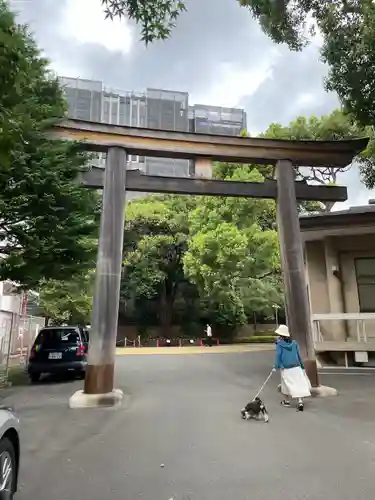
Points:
x=358 y=194
x=305 y=99
x=232 y=84
x=83 y=20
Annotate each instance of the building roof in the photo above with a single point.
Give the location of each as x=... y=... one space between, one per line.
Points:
x=353 y=216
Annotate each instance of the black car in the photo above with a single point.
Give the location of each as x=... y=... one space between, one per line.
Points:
x=59 y=349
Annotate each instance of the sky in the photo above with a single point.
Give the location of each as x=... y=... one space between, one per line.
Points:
x=217 y=53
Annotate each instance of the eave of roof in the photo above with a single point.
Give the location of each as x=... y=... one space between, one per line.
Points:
x=362 y=215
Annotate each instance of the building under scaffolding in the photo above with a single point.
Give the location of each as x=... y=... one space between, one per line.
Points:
x=154 y=108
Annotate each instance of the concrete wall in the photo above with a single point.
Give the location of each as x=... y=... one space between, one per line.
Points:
x=332 y=281
x=5 y=334
x=353 y=248
x=324 y=288
x=10 y=303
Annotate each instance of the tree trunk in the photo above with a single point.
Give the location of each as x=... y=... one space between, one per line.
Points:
x=167 y=300
x=166 y=313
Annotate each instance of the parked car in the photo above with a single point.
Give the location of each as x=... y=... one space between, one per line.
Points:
x=59 y=349
x=9 y=453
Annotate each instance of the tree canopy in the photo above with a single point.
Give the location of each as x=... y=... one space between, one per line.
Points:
x=155 y=240
x=188 y=260
x=232 y=254
x=334 y=126
x=68 y=301
x=47 y=221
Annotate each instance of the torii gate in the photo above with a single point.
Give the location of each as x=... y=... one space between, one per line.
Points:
x=118 y=142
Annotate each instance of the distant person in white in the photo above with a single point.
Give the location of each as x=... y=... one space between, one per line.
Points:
x=209 y=335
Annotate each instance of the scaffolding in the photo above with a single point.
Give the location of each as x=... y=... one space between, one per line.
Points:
x=17 y=335
x=155 y=108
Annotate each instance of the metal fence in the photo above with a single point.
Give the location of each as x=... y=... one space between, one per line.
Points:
x=17 y=334
x=24 y=333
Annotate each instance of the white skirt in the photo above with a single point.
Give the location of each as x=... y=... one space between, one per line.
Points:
x=295 y=383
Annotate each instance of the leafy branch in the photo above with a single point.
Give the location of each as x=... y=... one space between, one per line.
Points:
x=156 y=18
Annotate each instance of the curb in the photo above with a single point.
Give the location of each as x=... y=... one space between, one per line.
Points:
x=149 y=351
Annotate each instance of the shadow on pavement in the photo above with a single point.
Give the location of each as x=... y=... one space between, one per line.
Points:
x=18 y=376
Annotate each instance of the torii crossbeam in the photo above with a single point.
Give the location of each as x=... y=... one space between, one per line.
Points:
x=119 y=141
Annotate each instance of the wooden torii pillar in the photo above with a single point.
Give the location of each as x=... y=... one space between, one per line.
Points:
x=118 y=142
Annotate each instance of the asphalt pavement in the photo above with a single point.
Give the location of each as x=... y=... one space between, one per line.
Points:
x=179 y=436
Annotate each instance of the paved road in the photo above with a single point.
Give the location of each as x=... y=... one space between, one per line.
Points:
x=183 y=412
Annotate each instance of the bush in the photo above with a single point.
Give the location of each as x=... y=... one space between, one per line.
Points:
x=253 y=339
x=262 y=339
x=270 y=332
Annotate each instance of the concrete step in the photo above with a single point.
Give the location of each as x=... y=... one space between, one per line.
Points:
x=353 y=370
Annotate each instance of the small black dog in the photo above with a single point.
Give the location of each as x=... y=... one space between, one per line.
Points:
x=255 y=409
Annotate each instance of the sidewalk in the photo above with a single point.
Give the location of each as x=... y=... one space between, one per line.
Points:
x=221 y=349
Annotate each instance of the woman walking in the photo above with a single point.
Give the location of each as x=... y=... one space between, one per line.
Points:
x=294 y=381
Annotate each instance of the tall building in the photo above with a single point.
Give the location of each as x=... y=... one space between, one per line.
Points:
x=216 y=120
x=84 y=97
x=154 y=108
x=167 y=110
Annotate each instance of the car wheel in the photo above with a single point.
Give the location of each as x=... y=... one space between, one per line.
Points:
x=34 y=377
x=8 y=472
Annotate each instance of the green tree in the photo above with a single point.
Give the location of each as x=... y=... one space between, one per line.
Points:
x=334 y=126
x=155 y=241
x=68 y=301
x=47 y=221
x=233 y=253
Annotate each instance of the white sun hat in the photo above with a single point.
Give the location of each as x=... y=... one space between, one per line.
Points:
x=283 y=331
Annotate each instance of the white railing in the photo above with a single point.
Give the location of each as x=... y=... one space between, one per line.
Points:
x=359 y=318
x=129 y=343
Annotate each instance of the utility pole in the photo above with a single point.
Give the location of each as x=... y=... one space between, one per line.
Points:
x=293 y=266
x=101 y=356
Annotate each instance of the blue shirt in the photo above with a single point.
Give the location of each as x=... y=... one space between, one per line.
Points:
x=288 y=355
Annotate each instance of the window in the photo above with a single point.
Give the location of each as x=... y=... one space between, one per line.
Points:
x=114 y=111
x=213 y=116
x=122 y=113
x=228 y=117
x=106 y=111
x=54 y=337
x=200 y=113
x=365 y=273
x=135 y=109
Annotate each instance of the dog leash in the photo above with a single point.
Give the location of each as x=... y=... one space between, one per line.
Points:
x=264 y=384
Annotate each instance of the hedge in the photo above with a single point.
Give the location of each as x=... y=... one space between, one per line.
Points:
x=262 y=339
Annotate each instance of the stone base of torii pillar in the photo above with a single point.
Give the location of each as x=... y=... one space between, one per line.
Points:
x=82 y=400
